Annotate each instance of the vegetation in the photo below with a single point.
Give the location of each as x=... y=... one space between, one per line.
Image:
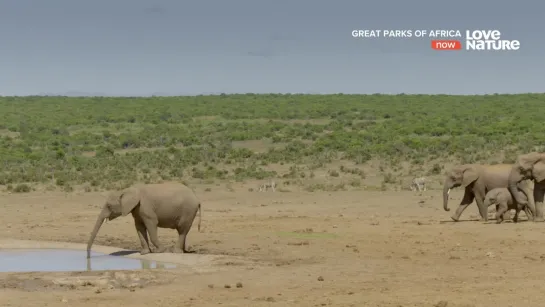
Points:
x=109 y=142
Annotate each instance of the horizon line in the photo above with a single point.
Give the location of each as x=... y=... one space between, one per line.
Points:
x=261 y=94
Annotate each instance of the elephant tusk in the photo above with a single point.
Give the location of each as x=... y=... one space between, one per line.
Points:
x=448 y=192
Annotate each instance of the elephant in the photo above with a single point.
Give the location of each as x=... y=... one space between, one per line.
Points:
x=165 y=205
x=530 y=166
x=502 y=198
x=477 y=180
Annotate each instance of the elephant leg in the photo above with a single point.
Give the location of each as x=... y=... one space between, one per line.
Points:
x=483 y=209
x=529 y=213
x=507 y=215
x=500 y=213
x=516 y=217
x=143 y=236
x=466 y=201
x=539 y=192
x=530 y=202
x=183 y=230
x=182 y=235
x=152 y=230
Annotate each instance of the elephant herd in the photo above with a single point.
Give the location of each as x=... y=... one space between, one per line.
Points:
x=519 y=186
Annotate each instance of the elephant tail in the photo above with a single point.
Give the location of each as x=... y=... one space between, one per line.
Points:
x=200 y=218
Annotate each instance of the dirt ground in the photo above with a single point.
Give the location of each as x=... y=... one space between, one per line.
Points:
x=358 y=248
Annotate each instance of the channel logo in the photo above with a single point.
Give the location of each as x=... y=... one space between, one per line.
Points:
x=478 y=40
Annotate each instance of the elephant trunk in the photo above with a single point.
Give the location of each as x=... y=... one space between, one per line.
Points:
x=100 y=220
x=514 y=179
x=200 y=218
x=487 y=202
x=446 y=192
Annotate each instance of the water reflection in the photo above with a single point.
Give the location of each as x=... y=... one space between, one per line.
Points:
x=152 y=264
x=144 y=264
x=29 y=260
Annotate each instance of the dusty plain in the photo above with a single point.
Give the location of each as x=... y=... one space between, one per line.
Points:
x=342 y=228
x=351 y=248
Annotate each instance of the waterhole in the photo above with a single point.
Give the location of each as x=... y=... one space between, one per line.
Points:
x=59 y=260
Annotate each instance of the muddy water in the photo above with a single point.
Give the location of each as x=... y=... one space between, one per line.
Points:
x=58 y=260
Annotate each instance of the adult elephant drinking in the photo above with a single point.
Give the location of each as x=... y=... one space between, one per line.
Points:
x=530 y=166
x=477 y=180
x=164 y=205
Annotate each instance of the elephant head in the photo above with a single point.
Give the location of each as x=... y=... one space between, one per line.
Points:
x=527 y=166
x=118 y=203
x=462 y=175
x=492 y=197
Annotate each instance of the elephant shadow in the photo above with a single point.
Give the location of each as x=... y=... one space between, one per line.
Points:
x=460 y=221
x=130 y=252
x=507 y=222
x=478 y=220
x=123 y=253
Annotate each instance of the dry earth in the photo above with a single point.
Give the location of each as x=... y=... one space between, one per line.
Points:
x=358 y=248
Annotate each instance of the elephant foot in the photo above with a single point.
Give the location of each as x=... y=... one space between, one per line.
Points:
x=145 y=251
x=539 y=219
x=160 y=250
x=482 y=219
x=454 y=218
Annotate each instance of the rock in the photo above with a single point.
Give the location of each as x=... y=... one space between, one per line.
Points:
x=441 y=304
x=120 y=276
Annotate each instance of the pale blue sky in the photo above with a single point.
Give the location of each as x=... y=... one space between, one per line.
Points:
x=179 y=47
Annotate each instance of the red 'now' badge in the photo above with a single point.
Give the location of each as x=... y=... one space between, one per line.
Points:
x=446 y=44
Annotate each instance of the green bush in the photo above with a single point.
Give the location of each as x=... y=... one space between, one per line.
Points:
x=21 y=188
x=104 y=140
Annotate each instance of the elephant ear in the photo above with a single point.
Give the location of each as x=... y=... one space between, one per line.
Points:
x=533 y=162
x=526 y=161
x=129 y=199
x=470 y=175
x=538 y=171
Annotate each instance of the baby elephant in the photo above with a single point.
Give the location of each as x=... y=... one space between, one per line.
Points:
x=501 y=197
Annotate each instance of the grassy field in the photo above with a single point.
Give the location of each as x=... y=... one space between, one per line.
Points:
x=317 y=142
